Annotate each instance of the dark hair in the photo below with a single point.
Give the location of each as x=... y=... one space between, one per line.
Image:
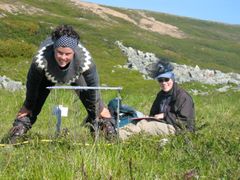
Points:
x=159 y=67
x=64 y=30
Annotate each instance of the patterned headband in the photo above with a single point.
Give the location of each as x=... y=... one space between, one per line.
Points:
x=66 y=41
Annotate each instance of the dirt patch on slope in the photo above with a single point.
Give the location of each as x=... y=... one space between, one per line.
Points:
x=18 y=7
x=145 y=22
x=149 y=23
x=103 y=12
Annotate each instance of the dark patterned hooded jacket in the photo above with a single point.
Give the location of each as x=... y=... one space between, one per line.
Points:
x=177 y=106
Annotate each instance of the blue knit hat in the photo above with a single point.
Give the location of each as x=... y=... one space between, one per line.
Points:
x=168 y=74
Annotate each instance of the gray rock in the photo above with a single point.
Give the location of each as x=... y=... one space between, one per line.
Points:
x=10 y=85
x=138 y=60
x=224 y=88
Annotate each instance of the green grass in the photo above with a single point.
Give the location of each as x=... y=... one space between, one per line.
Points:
x=211 y=153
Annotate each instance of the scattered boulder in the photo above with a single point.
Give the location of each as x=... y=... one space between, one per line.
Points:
x=224 y=89
x=236 y=88
x=198 y=92
x=10 y=85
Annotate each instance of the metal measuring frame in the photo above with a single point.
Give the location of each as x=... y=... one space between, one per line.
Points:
x=58 y=111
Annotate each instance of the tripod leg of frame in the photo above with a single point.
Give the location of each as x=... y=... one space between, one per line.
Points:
x=118 y=111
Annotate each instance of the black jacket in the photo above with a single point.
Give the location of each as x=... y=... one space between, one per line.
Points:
x=177 y=106
x=44 y=71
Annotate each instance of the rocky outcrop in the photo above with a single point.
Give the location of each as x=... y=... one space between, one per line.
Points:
x=206 y=76
x=10 y=85
x=138 y=60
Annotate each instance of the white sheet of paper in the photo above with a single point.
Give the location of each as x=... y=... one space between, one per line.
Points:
x=64 y=110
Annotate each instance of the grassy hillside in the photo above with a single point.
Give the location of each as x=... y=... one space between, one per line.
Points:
x=211 y=153
x=208 y=44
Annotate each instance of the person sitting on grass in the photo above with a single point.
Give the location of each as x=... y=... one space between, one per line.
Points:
x=172 y=111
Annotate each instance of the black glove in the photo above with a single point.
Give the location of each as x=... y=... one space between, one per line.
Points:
x=108 y=127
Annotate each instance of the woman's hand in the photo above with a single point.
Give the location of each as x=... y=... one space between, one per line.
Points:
x=159 y=116
x=105 y=113
x=23 y=112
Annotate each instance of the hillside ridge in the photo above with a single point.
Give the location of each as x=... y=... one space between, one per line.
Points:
x=24 y=24
x=145 y=22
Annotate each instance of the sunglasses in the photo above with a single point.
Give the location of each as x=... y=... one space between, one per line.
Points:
x=161 y=80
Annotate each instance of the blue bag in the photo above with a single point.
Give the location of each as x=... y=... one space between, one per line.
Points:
x=126 y=113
